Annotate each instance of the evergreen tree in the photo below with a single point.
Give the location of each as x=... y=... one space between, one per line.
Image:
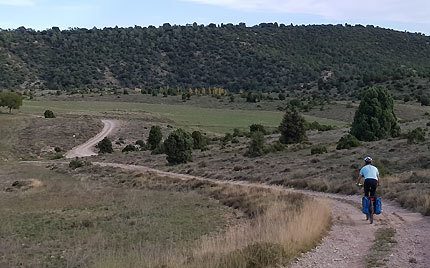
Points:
x=292 y=127
x=256 y=145
x=178 y=147
x=154 y=138
x=375 y=118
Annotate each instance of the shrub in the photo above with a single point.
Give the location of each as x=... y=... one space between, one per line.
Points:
x=129 y=148
x=276 y=147
x=56 y=156
x=57 y=149
x=141 y=144
x=257 y=127
x=235 y=140
x=292 y=127
x=178 y=147
x=76 y=163
x=49 y=114
x=155 y=137
x=199 y=141
x=256 y=145
x=319 y=149
x=228 y=137
x=375 y=118
x=416 y=136
x=105 y=146
x=347 y=142
x=238 y=133
x=317 y=126
x=425 y=100
x=159 y=150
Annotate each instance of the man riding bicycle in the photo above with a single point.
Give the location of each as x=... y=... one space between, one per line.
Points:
x=371 y=177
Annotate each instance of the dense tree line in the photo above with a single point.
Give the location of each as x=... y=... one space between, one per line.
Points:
x=267 y=57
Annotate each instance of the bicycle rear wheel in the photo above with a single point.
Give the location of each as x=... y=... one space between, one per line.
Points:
x=371 y=211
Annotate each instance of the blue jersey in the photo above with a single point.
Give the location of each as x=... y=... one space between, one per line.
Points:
x=369 y=172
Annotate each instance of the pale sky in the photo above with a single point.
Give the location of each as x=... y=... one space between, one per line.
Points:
x=412 y=15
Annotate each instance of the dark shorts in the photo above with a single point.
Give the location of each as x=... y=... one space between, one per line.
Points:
x=370 y=187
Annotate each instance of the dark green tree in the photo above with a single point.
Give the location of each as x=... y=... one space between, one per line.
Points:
x=154 y=138
x=256 y=144
x=375 y=118
x=347 y=142
x=199 y=141
x=10 y=100
x=292 y=127
x=178 y=147
x=105 y=146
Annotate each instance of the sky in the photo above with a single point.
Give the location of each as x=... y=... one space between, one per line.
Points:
x=402 y=15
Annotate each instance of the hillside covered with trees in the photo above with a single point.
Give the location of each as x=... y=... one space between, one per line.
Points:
x=267 y=57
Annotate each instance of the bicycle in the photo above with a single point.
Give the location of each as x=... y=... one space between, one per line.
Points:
x=371 y=206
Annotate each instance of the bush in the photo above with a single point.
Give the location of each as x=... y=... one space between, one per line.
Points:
x=416 y=136
x=425 y=100
x=57 y=149
x=276 y=147
x=317 y=126
x=178 y=147
x=228 y=137
x=129 y=148
x=238 y=133
x=141 y=144
x=154 y=138
x=159 y=150
x=375 y=118
x=257 y=127
x=49 y=114
x=76 y=163
x=256 y=145
x=319 y=149
x=199 y=141
x=105 y=146
x=56 y=156
x=292 y=127
x=347 y=142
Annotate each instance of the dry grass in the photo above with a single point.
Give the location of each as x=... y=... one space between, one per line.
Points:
x=280 y=227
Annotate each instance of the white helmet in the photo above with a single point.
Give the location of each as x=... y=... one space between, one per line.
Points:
x=368 y=159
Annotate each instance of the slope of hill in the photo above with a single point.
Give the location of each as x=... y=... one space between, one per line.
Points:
x=268 y=57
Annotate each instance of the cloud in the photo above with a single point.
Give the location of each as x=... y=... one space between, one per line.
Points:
x=414 y=11
x=16 y=3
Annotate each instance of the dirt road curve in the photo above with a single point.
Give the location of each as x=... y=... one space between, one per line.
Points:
x=349 y=241
x=87 y=149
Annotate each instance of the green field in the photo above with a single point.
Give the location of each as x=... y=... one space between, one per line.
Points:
x=190 y=117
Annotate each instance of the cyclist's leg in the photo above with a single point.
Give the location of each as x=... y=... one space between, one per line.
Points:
x=372 y=188
x=366 y=188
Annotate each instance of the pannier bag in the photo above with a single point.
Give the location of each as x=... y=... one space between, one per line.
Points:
x=378 y=205
x=365 y=202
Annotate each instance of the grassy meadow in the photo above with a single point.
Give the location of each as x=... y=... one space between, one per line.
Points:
x=186 y=116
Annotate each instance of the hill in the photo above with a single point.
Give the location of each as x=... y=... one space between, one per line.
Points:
x=267 y=57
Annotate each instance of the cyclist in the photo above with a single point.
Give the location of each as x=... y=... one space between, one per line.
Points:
x=371 y=177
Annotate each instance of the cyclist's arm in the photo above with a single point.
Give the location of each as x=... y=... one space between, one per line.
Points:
x=379 y=180
x=359 y=178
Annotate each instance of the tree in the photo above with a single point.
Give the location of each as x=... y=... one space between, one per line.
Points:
x=199 y=141
x=375 y=118
x=292 y=127
x=257 y=127
x=10 y=100
x=105 y=146
x=154 y=138
x=256 y=145
x=49 y=114
x=178 y=147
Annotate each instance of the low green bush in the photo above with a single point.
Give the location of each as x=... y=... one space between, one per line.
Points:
x=129 y=148
x=318 y=149
x=49 y=114
x=347 y=142
x=416 y=136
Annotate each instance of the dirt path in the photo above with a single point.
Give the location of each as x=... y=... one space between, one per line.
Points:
x=351 y=236
x=87 y=149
